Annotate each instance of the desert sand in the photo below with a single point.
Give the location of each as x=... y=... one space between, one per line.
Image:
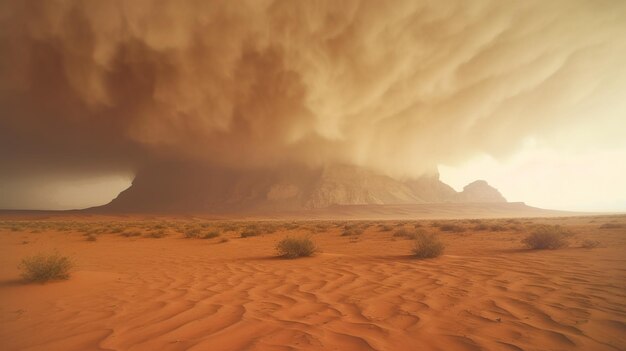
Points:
x=360 y=292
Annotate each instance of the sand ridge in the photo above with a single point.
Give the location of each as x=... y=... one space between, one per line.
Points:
x=485 y=293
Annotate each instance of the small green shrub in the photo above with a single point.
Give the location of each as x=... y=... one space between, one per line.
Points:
x=547 y=237
x=42 y=268
x=427 y=246
x=295 y=247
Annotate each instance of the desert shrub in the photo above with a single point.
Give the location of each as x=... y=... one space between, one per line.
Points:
x=497 y=228
x=427 y=246
x=480 y=227
x=610 y=226
x=223 y=240
x=417 y=225
x=252 y=230
x=455 y=228
x=157 y=234
x=229 y=227
x=295 y=247
x=117 y=229
x=385 y=228
x=42 y=268
x=131 y=233
x=319 y=228
x=547 y=237
x=403 y=233
x=435 y=224
x=192 y=233
x=351 y=231
x=91 y=237
x=211 y=234
x=590 y=244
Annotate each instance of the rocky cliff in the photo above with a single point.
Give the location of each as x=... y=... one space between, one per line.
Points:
x=186 y=188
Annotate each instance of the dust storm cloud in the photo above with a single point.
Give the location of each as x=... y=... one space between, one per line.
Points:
x=396 y=86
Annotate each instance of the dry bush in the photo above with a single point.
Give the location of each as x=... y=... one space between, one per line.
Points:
x=91 y=237
x=192 y=233
x=427 y=246
x=384 y=228
x=590 y=244
x=480 y=227
x=319 y=228
x=547 y=237
x=610 y=226
x=157 y=234
x=295 y=247
x=42 y=268
x=497 y=228
x=435 y=224
x=403 y=233
x=351 y=231
x=131 y=233
x=211 y=234
x=455 y=228
x=251 y=230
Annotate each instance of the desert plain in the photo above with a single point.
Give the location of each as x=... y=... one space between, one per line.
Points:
x=193 y=283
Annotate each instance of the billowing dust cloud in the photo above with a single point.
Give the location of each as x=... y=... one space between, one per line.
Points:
x=396 y=86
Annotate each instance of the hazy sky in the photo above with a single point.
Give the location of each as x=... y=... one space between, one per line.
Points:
x=528 y=95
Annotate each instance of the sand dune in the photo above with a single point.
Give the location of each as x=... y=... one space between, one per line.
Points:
x=365 y=293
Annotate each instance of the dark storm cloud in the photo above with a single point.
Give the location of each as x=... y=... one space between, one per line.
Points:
x=398 y=86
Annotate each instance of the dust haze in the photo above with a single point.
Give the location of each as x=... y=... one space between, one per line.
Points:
x=396 y=87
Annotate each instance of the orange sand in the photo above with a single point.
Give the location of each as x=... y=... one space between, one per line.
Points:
x=365 y=293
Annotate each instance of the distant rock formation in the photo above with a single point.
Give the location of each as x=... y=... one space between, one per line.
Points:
x=479 y=191
x=193 y=188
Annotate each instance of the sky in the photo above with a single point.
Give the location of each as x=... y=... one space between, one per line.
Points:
x=527 y=95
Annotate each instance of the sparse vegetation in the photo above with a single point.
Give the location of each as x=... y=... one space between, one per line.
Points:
x=455 y=228
x=192 y=233
x=590 y=244
x=350 y=230
x=160 y=233
x=547 y=237
x=403 y=233
x=251 y=230
x=610 y=226
x=480 y=227
x=42 y=268
x=427 y=246
x=385 y=228
x=497 y=228
x=295 y=247
x=210 y=234
x=131 y=233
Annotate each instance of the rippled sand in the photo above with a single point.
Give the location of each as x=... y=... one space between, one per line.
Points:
x=359 y=293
